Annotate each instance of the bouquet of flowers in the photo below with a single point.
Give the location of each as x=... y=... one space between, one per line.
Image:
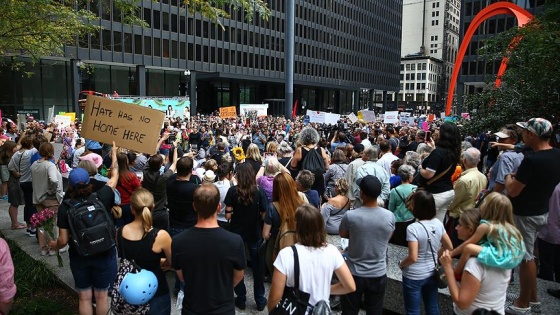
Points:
x=44 y=222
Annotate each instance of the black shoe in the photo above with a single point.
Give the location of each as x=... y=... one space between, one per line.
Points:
x=261 y=307
x=554 y=293
x=240 y=305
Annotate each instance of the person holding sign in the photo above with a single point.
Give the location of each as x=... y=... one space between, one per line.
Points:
x=127 y=184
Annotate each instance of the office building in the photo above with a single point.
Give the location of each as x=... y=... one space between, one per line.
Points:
x=341 y=48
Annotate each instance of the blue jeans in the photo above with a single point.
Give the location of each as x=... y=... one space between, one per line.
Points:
x=258 y=281
x=178 y=284
x=414 y=290
x=160 y=305
x=373 y=290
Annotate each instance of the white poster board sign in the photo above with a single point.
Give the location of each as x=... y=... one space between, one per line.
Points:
x=316 y=116
x=367 y=115
x=62 y=121
x=332 y=118
x=353 y=118
x=391 y=117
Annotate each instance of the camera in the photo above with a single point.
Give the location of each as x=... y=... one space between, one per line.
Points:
x=171 y=139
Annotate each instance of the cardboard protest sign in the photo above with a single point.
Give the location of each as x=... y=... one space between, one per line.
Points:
x=228 y=112
x=131 y=126
x=391 y=117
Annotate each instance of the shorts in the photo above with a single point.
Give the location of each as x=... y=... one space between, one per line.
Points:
x=98 y=271
x=15 y=194
x=529 y=226
x=4 y=173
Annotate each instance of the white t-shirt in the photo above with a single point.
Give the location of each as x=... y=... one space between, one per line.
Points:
x=316 y=267
x=493 y=288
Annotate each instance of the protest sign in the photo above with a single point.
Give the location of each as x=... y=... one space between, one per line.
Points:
x=367 y=115
x=466 y=115
x=391 y=117
x=316 y=116
x=253 y=110
x=431 y=117
x=332 y=118
x=353 y=118
x=228 y=112
x=71 y=115
x=131 y=126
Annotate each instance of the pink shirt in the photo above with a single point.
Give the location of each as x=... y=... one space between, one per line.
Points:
x=7 y=284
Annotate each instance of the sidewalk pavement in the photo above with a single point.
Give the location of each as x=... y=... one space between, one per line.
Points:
x=393 y=296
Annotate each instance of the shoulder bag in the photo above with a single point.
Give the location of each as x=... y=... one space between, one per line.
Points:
x=439 y=274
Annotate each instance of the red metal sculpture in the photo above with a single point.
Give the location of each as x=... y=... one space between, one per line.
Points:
x=523 y=17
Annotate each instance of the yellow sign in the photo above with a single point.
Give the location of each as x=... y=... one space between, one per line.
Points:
x=71 y=115
x=131 y=126
x=228 y=112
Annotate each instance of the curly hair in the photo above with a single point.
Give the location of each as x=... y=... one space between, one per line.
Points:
x=450 y=140
x=308 y=135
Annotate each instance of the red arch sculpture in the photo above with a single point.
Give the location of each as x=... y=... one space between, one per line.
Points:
x=523 y=17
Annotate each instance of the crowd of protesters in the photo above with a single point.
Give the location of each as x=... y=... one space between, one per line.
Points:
x=379 y=183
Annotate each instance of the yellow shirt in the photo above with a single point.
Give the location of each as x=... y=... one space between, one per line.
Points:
x=466 y=190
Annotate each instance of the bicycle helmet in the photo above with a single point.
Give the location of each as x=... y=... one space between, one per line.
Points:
x=138 y=288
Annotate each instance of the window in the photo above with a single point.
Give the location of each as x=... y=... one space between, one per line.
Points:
x=413 y=66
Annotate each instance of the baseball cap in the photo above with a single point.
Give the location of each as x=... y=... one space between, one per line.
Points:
x=539 y=126
x=94 y=158
x=506 y=133
x=78 y=176
x=370 y=186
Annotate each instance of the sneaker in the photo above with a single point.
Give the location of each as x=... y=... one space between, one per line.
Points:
x=5 y=197
x=511 y=297
x=514 y=310
x=535 y=307
x=31 y=232
x=63 y=249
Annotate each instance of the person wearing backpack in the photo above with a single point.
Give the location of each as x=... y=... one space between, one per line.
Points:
x=98 y=270
x=317 y=259
x=312 y=158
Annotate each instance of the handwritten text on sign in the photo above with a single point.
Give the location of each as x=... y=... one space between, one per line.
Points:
x=228 y=112
x=131 y=126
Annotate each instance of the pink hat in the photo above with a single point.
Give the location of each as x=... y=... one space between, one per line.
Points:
x=94 y=158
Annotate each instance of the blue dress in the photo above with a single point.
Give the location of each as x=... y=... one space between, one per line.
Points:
x=496 y=254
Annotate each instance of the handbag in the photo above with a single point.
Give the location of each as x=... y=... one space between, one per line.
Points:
x=439 y=274
x=118 y=304
x=293 y=301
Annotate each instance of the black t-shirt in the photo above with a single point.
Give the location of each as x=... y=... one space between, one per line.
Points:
x=106 y=195
x=156 y=183
x=439 y=160
x=180 y=197
x=245 y=218
x=540 y=172
x=207 y=259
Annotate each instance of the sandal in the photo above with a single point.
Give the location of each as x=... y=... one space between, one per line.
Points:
x=19 y=226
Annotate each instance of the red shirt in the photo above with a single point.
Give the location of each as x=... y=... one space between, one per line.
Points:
x=128 y=182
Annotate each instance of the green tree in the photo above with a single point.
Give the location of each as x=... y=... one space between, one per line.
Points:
x=531 y=83
x=42 y=27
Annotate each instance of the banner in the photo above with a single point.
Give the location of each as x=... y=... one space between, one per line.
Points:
x=228 y=112
x=176 y=107
x=253 y=110
x=316 y=116
x=391 y=117
x=332 y=118
x=131 y=126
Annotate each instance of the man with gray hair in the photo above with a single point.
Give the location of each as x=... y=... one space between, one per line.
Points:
x=467 y=187
x=371 y=167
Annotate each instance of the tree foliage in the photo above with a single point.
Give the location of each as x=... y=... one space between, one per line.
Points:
x=42 y=27
x=531 y=83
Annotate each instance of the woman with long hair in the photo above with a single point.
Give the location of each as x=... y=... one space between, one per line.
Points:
x=47 y=188
x=438 y=167
x=317 y=262
x=285 y=200
x=128 y=183
x=146 y=245
x=424 y=238
x=245 y=204
x=254 y=157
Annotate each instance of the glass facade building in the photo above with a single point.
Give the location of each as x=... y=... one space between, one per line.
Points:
x=341 y=47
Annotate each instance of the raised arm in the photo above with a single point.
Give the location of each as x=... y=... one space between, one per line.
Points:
x=114 y=168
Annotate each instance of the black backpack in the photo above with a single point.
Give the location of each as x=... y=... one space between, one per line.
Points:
x=313 y=162
x=91 y=227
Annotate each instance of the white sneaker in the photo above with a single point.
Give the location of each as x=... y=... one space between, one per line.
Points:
x=514 y=310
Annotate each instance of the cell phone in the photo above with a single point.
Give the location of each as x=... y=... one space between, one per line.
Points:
x=428 y=136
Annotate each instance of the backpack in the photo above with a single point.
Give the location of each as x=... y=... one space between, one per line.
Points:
x=313 y=162
x=91 y=227
x=284 y=238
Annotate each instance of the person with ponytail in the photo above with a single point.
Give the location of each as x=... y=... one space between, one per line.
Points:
x=146 y=245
